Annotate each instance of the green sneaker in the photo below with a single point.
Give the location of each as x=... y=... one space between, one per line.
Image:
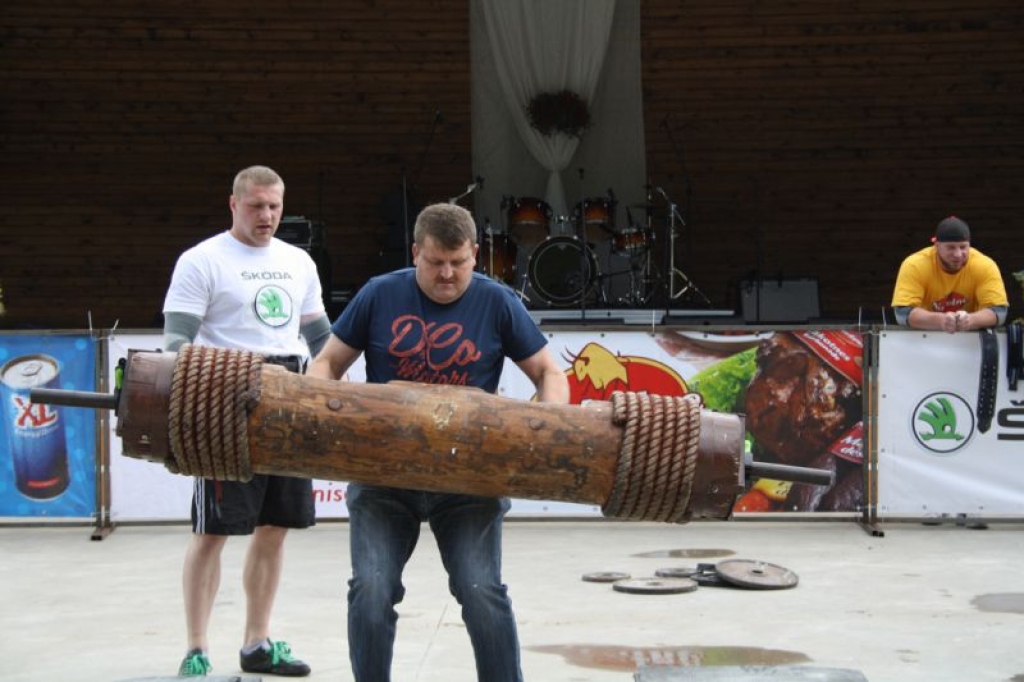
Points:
x=196 y=664
x=277 y=660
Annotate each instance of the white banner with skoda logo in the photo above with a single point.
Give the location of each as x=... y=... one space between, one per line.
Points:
x=934 y=455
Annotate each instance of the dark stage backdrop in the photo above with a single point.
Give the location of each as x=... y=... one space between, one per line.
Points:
x=806 y=139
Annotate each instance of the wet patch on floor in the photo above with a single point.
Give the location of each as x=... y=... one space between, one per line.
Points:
x=1002 y=602
x=609 y=657
x=686 y=553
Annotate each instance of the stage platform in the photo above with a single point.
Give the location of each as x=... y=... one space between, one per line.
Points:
x=650 y=317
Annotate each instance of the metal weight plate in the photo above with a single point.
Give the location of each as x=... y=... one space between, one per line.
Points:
x=655 y=585
x=676 y=572
x=710 y=579
x=605 y=576
x=706 y=576
x=757 y=575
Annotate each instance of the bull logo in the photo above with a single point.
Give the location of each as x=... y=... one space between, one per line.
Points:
x=596 y=373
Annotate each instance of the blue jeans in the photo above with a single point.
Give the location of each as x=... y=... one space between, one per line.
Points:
x=384 y=525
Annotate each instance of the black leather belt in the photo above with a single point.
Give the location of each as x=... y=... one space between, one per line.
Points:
x=292 y=363
x=988 y=381
x=1014 y=353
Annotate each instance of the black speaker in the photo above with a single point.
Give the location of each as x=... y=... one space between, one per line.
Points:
x=781 y=300
x=301 y=232
x=309 y=236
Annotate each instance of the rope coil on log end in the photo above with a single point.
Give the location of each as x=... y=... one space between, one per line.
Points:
x=658 y=457
x=212 y=393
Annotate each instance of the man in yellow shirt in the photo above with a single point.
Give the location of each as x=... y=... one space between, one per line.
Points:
x=949 y=286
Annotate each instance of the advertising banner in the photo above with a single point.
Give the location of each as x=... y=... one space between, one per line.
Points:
x=801 y=392
x=935 y=456
x=144 y=491
x=47 y=453
x=804 y=386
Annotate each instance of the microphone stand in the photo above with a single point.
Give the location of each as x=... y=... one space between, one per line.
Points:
x=487 y=233
x=438 y=118
x=687 y=185
x=670 y=252
x=479 y=184
x=406 y=240
x=582 y=232
x=758 y=258
x=670 y=258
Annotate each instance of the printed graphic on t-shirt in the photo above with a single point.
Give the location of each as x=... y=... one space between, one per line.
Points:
x=273 y=306
x=431 y=353
x=951 y=303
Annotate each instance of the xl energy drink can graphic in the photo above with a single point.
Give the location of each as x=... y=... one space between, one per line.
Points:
x=35 y=432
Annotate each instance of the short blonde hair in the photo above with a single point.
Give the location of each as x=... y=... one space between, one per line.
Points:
x=259 y=176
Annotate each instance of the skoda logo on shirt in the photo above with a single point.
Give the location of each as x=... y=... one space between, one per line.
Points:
x=943 y=423
x=273 y=306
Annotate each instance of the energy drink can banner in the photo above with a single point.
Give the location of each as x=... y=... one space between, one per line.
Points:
x=35 y=432
x=47 y=453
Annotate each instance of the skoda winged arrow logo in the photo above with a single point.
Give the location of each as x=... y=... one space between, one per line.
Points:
x=273 y=306
x=943 y=423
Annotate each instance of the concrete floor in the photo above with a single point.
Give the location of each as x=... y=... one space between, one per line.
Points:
x=921 y=603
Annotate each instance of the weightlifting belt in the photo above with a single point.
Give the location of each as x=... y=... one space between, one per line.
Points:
x=1014 y=353
x=988 y=382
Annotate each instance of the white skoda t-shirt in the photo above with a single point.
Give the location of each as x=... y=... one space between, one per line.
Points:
x=248 y=297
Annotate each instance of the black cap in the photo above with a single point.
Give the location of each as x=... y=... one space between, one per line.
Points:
x=952 y=229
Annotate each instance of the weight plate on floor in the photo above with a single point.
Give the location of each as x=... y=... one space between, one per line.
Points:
x=605 y=576
x=676 y=572
x=655 y=585
x=757 y=575
x=710 y=579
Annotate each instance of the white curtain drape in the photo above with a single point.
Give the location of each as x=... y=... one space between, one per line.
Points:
x=610 y=155
x=544 y=46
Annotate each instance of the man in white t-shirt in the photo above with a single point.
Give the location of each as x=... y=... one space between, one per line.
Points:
x=245 y=289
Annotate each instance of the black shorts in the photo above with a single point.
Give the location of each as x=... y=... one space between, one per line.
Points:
x=234 y=508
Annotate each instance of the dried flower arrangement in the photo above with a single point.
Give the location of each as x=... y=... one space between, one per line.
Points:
x=559 y=112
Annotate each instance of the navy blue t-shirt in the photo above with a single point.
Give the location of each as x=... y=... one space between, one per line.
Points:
x=406 y=336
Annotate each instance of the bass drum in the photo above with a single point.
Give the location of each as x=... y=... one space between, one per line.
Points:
x=556 y=274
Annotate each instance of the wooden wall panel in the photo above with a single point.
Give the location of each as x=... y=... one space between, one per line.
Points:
x=124 y=123
x=816 y=138
x=827 y=139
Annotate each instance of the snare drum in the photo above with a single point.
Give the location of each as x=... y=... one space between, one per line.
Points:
x=562 y=271
x=632 y=241
x=598 y=212
x=529 y=220
x=497 y=258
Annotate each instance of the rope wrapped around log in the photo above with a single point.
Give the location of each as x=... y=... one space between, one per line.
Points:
x=658 y=457
x=212 y=391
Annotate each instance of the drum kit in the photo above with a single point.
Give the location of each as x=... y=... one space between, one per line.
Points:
x=564 y=269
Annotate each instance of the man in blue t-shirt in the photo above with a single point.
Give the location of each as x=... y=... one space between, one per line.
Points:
x=439 y=322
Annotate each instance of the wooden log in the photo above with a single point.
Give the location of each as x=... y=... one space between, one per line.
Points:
x=225 y=414
x=440 y=438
